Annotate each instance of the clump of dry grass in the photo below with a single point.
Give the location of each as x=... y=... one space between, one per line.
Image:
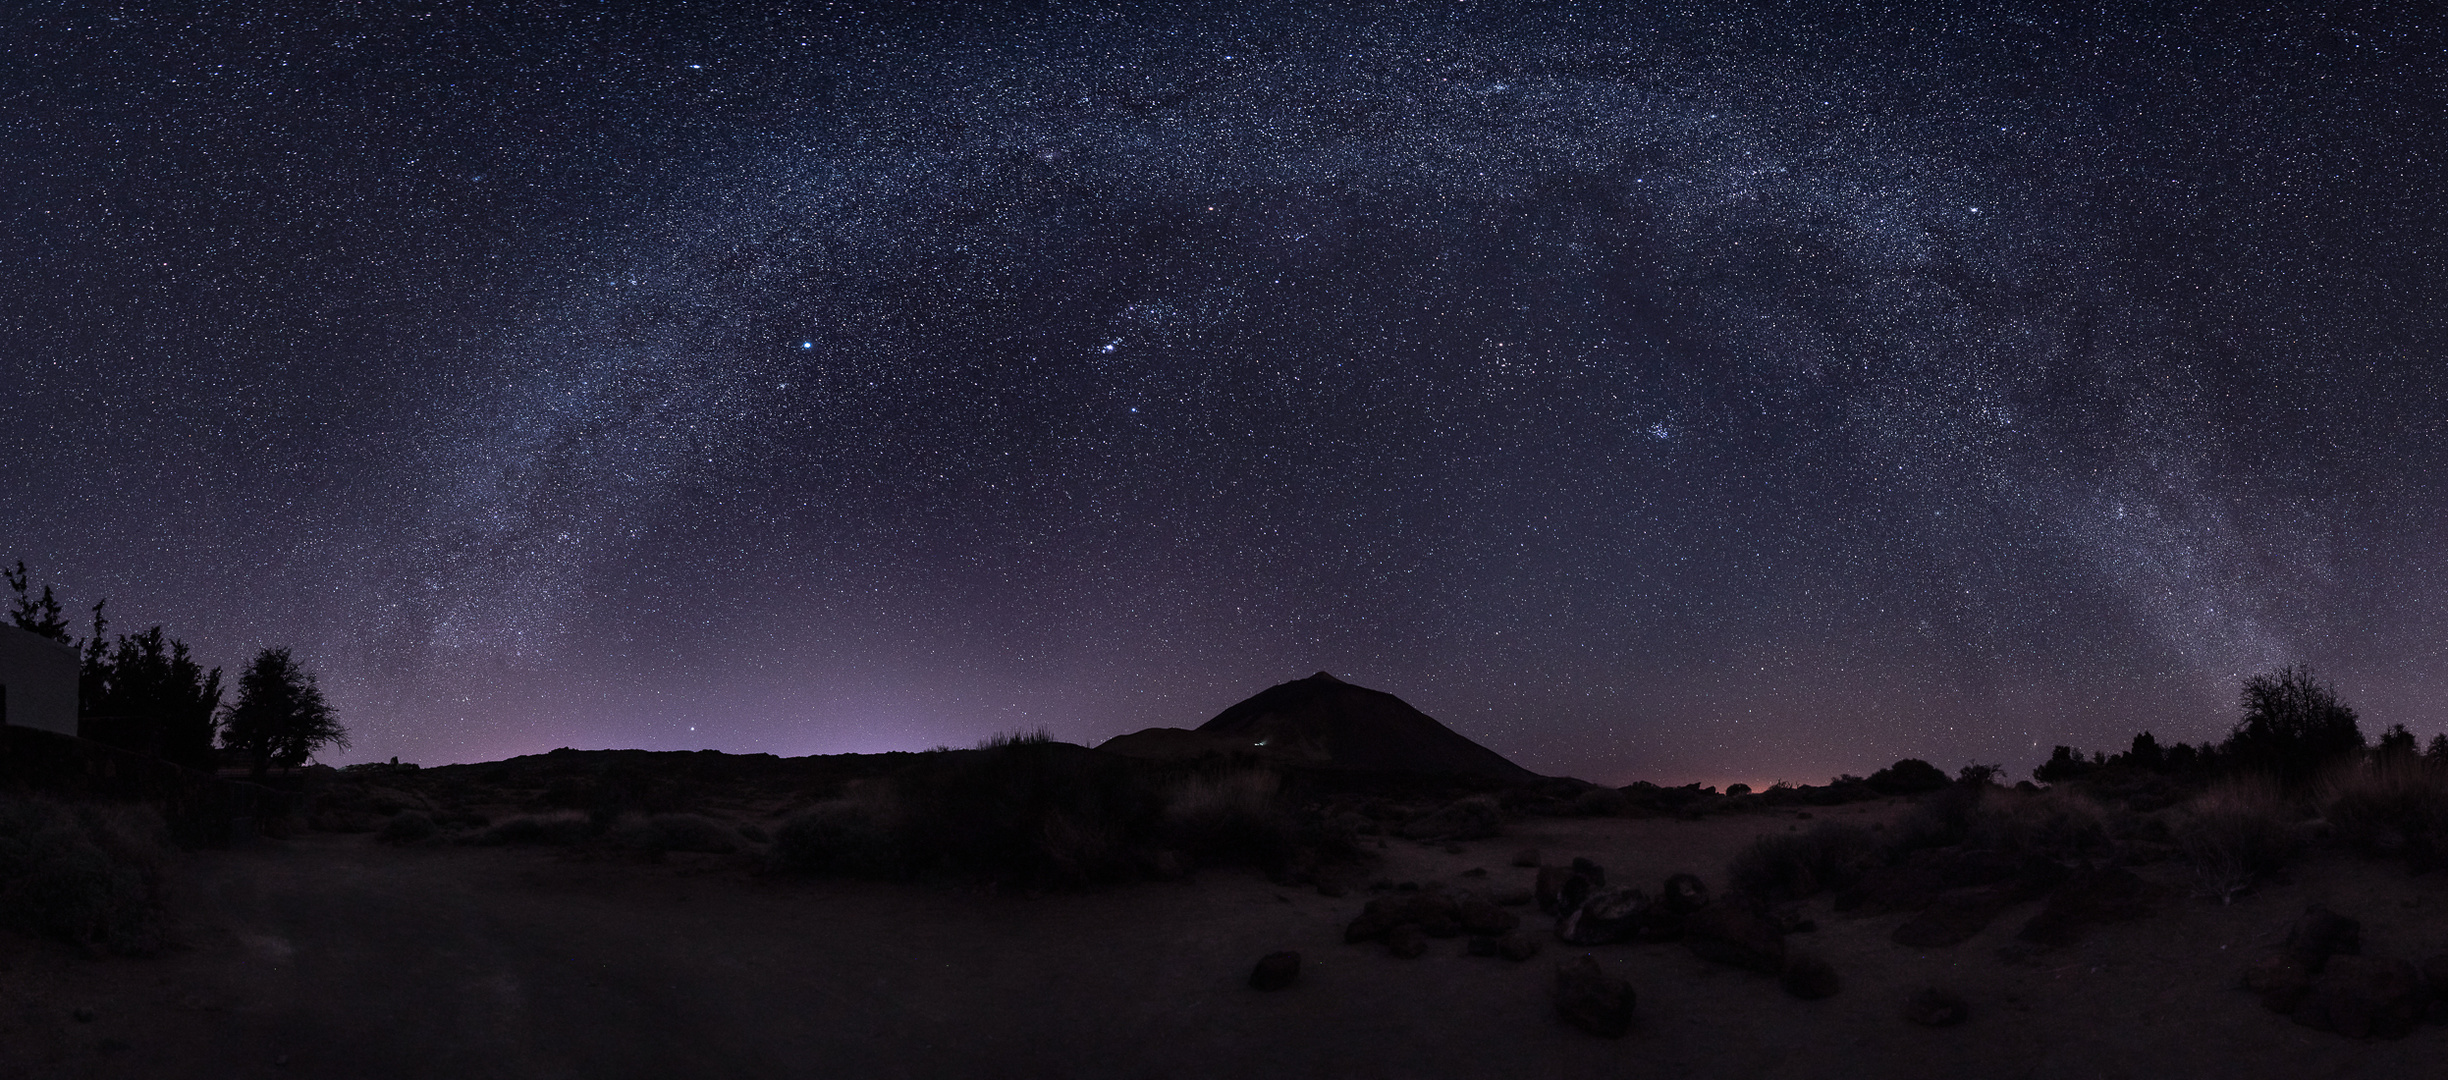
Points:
x=2389 y=805
x=1228 y=816
x=858 y=834
x=83 y=873
x=658 y=833
x=2235 y=832
x=559 y=830
x=1795 y=866
x=2061 y=823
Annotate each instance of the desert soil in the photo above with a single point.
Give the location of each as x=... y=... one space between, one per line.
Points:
x=335 y=956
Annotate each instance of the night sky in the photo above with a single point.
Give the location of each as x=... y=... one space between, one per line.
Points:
x=1685 y=392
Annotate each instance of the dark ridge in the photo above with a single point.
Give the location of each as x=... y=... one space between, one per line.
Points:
x=1329 y=721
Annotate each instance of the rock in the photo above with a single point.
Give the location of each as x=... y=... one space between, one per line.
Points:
x=1514 y=897
x=2359 y=996
x=1406 y=941
x=1526 y=857
x=1331 y=889
x=1955 y=916
x=1932 y=1006
x=1435 y=913
x=1808 y=977
x=1583 y=866
x=1550 y=888
x=1683 y=894
x=1658 y=924
x=1517 y=947
x=2321 y=934
x=1475 y=872
x=2435 y=974
x=83 y=1016
x=1275 y=971
x=1482 y=916
x=1731 y=936
x=2089 y=898
x=2281 y=979
x=1608 y=916
x=1481 y=945
x=1561 y=889
x=1590 y=999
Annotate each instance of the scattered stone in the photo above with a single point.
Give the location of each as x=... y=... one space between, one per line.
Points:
x=1275 y=971
x=2321 y=934
x=1731 y=936
x=2358 y=996
x=1526 y=857
x=1608 y=916
x=1517 y=947
x=1590 y=999
x=1475 y=817
x=1809 y=977
x=1406 y=941
x=2281 y=979
x=1480 y=915
x=1561 y=889
x=1683 y=894
x=2089 y=898
x=1433 y=913
x=1789 y=920
x=1954 y=917
x=1931 y=1006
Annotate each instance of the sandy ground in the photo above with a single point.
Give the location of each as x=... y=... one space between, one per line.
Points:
x=334 y=956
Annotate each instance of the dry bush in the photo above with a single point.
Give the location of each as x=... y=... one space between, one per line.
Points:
x=1795 y=866
x=659 y=833
x=1228 y=817
x=83 y=873
x=2389 y=804
x=857 y=835
x=560 y=830
x=2236 y=831
x=407 y=827
x=2061 y=823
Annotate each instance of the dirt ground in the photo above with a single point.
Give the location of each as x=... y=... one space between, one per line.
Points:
x=335 y=956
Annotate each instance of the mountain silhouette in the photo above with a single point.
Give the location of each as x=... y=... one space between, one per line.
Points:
x=1322 y=720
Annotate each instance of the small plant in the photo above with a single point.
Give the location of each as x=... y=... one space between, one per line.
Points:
x=2235 y=833
x=1228 y=817
x=1790 y=866
x=659 y=833
x=558 y=830
x=407 y=827
x=2060 y=823
x=2390 y=804
x=855 y=836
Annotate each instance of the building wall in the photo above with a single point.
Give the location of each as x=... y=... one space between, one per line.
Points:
x=38 y=682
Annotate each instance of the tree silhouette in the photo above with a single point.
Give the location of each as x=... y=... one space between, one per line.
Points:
x=280 y=717
x=40 y=616
x=150 y=678
x=2293 y=725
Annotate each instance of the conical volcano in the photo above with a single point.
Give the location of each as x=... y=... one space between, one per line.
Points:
x=1322 y=718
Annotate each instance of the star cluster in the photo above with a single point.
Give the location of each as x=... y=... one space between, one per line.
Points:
x=1644 y=392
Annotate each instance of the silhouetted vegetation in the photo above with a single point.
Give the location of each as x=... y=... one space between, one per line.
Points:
x=149 y=683
x=280 y=717
x=2293 y=727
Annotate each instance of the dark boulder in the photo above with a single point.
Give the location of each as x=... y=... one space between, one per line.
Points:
x=1683 y=894
x=2435 y=973
x=1481 y=945
x=1932 y=1006
x=1480 y=915
x=1730 y=935
x=1608 y=916
x=2358 y=997
x=1526 y=857
x=1561 y=889
x=1590 y=999
x=2281 y=980
x=1517 y=947
x=1809 y=977
x=1275 y=971
x=2320 y=934
x=1436 y=913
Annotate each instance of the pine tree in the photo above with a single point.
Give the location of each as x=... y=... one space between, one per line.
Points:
x=280 y=717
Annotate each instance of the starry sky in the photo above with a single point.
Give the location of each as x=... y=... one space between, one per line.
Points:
x=1681 y=392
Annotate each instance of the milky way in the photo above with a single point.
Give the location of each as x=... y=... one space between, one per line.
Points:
x=1643 y=393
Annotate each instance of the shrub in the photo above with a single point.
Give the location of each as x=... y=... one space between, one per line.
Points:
x=555 y=829
x=1795 y=866
x=854 y=836
x=2236 y=832
x=86 y=874
x=2059 y=823
x=2388 y=805
x=1908 y=777
x=1600 y=802
x=407 y=827
x=676 y=832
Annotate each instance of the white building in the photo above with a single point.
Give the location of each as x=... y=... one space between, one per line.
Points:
x=38 y=682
